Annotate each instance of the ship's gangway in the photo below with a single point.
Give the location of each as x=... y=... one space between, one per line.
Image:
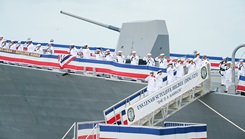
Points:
x=142 y=109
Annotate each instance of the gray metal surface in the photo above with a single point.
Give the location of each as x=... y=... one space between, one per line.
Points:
x=141 y=36
x=36 y=104
x=230 y=106
x=144 y=37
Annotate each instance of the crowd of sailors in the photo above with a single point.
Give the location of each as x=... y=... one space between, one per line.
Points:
x=174 y=67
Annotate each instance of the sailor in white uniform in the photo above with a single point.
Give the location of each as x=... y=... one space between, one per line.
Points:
x=179 y=67
x=98 y=55
x=134 y=59
x=38 y=49
x=12 y=45
x=19 y=46
x=191 y=66
x=29 y=45
x=120 y=57
x=108 y=55
x=198 y=61
x=241 y=68
x=151 y=87
x=149 y=60
x=170 y=73
x=222 y=68
x=205 y=61
x=228 y=76
x=1 y=39
x=163 y=63
x=4 y=44
x=49 y=50
x=159 y=80
x=73 y=50
x=86 y=51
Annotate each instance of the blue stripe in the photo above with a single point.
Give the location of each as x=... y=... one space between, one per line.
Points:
x=50 y=56
x=66 y=46
x=135 y=96
x=242 y=78
x=209 y=57
x=123 y=112
x=65 y=58
x=124 y=102
x=152 y=131
x=108 y=111
x=120 y=104
x=116 y=107
x=86 y=126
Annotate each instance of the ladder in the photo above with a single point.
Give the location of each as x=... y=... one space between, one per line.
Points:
x=139 y=109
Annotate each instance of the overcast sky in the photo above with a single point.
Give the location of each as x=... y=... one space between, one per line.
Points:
x=213 y=27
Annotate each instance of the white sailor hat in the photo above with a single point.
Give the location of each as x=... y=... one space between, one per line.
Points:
x=39 y=44
x=97 y=49
x=162 y=54
x=72 y=44
x=119 y=51
x=1 y=35
x=190 y=59
x=224 y=57
x=108 y=50
x=12 y=41
x=229 y=62
x=51 y=41
x=19 y=41
x=170 y=63
x=159 y=71
x=241 y=60
x=149 y=54
x=85 y=44
x=151 y=72
x=133 y=51
x=29 y=39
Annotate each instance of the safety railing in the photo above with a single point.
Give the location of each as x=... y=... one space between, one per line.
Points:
x=155 y=107
x=114 y=113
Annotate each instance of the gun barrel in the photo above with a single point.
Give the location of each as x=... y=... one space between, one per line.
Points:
x=93 y=22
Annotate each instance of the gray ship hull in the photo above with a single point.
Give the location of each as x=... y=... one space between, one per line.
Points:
x=36 y=104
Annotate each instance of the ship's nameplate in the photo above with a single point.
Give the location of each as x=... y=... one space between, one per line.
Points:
x=20 y=52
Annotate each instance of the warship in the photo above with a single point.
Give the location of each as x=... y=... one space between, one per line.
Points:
x=37 y=103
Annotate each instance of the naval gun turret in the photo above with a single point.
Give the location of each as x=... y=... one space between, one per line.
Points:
x=141 y=36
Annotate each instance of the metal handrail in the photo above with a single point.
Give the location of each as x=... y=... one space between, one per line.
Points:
x=73 y=125
x=92 y=131
x=125 y=99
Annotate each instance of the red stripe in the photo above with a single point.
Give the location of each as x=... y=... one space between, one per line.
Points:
x=61 y=52
x=240 y=88
x=93 y=137
x=124 y=74
x=90 y=137
x=214 y=64
x=125 y=122
x=74 y=67
x=114 y=119
x=64 y=66
x=32 y=62
x=107 y=138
